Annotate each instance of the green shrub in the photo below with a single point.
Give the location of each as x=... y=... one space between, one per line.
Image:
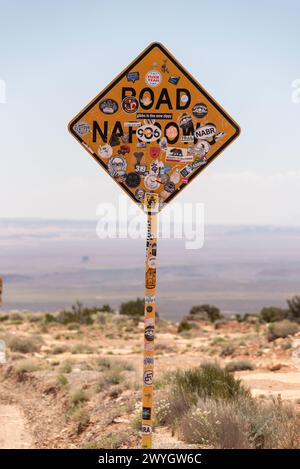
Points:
x=294 y=308
x=272 y=314
x=134 y=308
x=240 y=365
x=23 y=344
x=185 y=326
x=208 y=380
x=79 y=397
x=66 y=367
x=282 y=329
x=205 y=312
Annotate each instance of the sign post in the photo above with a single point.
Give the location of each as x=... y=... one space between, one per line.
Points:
x=153 y=129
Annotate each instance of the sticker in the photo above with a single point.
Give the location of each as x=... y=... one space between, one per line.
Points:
x=163 y=143
x=154 y=152
x=151 y=205
x=174 y=80
x=164 y=67
x=146 y=100
x=82 y=128
x=185 y=121
x=149 y=309
x=186 y=171
x=133 y=76
x=153 y=115
x=140 y=169
x=130 y=104
x=169 y=187
x=150 y=298
x=114 y=140
x=164 y=178
x=149 y=321
x=146 y=413
x=151 y=278
x=219 y=135
x=140 y=194
x=108 y=106
x=132 y=124
x=133 y=180
x=153 y=78
x=178 y=155
x=175 y=177
x=154 y=249
x=149 y=333
x=151 y=182
x=141 y=145
x=105 y=151
x=199 y=110
x=148 y=133
x=124 y=149
x=155 y=166
x=202 y=148
x=172 y=132
x=148 y=361
x=205 y=131
x=117 y=166
x=187 y=138
x=152 y=262
x=125 y=137
x=149 y=346
x=198 y=163
x=148 y=377
x=184 y=98
x=146 y=429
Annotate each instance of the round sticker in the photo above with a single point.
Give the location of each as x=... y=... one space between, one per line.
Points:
x=152 y=262
x=153 y=78
x=185 y=121
x=151 y=182
x=172 y=132
x=140 y=194
x=108 y=106
x=130 y=104
x=133 y=180
x=117 y=166
x=184 y=98
x=149 y=333
x=169 y=187
x=199 y=110
x=105 y=151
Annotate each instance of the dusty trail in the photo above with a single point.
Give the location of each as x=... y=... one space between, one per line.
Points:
x=13 y=432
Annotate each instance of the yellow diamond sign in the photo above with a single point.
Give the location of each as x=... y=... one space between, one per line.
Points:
x=154 y=128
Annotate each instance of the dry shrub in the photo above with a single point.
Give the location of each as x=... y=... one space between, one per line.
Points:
x=282 y=329
x=24 y=344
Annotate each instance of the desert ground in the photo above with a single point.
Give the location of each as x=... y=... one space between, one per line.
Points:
x=79 y=385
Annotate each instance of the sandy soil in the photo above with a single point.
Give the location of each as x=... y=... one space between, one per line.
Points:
x=14 y=433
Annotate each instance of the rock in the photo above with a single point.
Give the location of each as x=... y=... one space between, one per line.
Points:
x=276 y=367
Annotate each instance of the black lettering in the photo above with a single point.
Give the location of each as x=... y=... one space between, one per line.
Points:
x=127 y=91
x=118 y=129
x=96 y=128
x=164 y=98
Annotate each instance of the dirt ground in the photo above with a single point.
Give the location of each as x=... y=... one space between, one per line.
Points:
x=79 y=386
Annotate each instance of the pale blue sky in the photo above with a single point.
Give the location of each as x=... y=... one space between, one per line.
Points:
x=57 y=55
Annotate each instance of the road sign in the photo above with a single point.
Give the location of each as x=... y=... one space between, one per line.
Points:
x=154 y=128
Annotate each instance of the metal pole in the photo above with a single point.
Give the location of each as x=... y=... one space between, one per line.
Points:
x=150 y=309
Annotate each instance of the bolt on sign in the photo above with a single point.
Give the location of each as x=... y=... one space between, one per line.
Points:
x=153 y=129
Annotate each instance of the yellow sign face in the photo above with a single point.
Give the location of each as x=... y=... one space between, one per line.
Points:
x=154 y=128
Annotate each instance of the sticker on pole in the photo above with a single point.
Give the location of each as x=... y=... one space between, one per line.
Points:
x=154 y=128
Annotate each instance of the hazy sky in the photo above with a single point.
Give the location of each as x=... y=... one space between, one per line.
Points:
x=55 y=56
